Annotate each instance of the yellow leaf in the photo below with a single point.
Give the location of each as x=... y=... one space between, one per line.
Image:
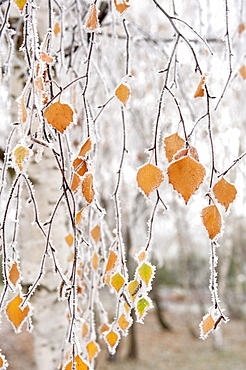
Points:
x=224 y=192
x=112 y=338
x=87 y=188
x=200 y=89
x=143 y=304
x=186 y=175
x=21 y=155
x=123 y=93
x=212 y=220
x=123 y=322
x=207 y=325
x=149 y=178
x=93 y=349
x=117 y=281
x=121 y=5
x=92 y=23
x=95 y=261
x=69 y=239
x=172 y=144
x=132 y=287
x=242 y=71
x=96 y=233
x=15 y=314
x=112 y=258
x=80 y=364
x=20 y=3
x=86 y=147
x=146 y=272
x=14 y=273
x=85 y=330
x=59 y=116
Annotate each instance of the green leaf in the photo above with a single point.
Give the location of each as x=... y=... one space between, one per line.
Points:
x=146 y=272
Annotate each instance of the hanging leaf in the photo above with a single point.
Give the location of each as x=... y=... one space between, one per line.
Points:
x=86 y=147
x=112 y=258
x=172 y=144
x=141 y=256
x=45 y=57
x=93 y=350
x=21 y=156
x=212 y=220
x=123 y=323
x=186 y=175
x=56 y=29
x=149 y=178
x=224 y=192
x=3 y=362
x=191 y=151
x=87 y=188
x=121 y=5
x=92 y=23
x=103 y=328
x=84 y=330
x=132 y=288
x=206 y=326
x=95 y=261
x=123 y=93
x=112 y=339
x=242 y=71
x=76 y=181
x=59 y=116
x=80 y=364
x=146 y=272
x=14 y=273
x=78 y=216
x=96 y=233
x=200 y=89
x=80 y=166
x=117 y=281
x=22 y=108
x=20 y=3
x=69 y=239
x=15 y=314
x=241 y=28
x=141 y=308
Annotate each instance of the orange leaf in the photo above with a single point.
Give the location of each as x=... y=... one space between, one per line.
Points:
x=96 y=233
x=57 y=29
x=103 y=328
x=121 y=5
x=241 y=28
x=242 y=71
x=80 y=166
x=14 y=273
x=80 y=364
x=22 y=108
x=59 y=116
x=112 y=338
x=212 y=220
x=207 y=325
x=85 y=330
x=92 y=23
x=45 y=57
x=95 y=261
x=93 y=349
x=149 y=177
x=112 y=258
x=200 y=89
x=20 y=4
x=224 y=192
x=76 y=180
x=3 y=362
x=69 y=239
x=186 y=175
x=117 y=281
x=123 y=323
x=141 y=256
x=79 y=216
x=85 y=148
x=87 y=188
x=15 y=314
x=172 y=144
x=123 y=93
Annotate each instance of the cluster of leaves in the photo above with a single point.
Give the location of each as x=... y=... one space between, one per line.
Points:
x=46 y=126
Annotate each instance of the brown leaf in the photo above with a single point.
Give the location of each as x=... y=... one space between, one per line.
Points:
x=149 y=178
x=59 y=116
x=76 y=180
x=224 y=192
x=14 y=273
x=207 y=324
x=45 y=57
x=200 y=89
x=212 y=220
x=80 y=166
x=172 y=144
x=242 y=71
x=86 y=147
x=92 y=23
x=87 y=188
x=15 y=314
x=241 y=28
x=186 y=175
x=123 y=93
x=96 y=233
